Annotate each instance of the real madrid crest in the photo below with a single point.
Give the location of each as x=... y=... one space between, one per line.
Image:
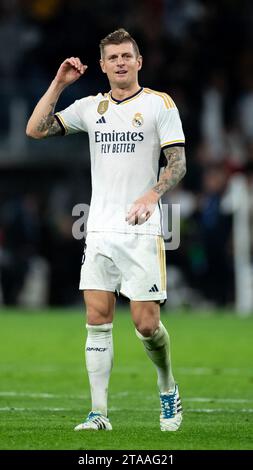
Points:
x=137 y=120
x=103 y=106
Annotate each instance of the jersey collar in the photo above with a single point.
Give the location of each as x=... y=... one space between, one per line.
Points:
x=125 y=99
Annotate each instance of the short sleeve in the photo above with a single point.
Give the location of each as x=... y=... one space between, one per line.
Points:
x=72 y=119
x=170 y=127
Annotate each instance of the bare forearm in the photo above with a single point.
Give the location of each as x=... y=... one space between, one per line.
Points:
x=42 y=122
x=174 y=170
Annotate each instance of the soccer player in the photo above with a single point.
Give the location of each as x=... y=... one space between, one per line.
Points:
x=125 y=252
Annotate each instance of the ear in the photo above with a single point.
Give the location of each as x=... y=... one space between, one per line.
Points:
x=102 y=65
x=140 y=61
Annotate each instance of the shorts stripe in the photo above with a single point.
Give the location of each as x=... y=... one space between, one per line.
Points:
x=162 y=262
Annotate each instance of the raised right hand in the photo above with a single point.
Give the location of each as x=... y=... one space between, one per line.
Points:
x=69 y=71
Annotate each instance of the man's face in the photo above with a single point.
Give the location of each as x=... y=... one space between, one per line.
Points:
x=120 y=64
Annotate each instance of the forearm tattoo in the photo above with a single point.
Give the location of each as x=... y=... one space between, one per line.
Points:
x=49 y=123
x=174 y=170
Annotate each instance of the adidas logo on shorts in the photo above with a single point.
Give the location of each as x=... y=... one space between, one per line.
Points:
x=154 y=288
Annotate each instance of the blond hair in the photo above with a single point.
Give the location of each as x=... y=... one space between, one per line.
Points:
x=118 y=37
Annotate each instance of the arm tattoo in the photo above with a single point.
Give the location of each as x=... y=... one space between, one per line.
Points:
x=49 y=123
x=174 y=170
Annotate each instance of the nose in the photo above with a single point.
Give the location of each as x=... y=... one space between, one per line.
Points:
x=120 y=60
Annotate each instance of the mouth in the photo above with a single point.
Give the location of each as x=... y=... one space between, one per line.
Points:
x=121 y=72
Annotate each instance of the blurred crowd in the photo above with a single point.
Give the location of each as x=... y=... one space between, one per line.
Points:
x=198 y=51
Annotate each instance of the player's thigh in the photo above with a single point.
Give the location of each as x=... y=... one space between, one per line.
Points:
x=100 y=306
x=146 y=316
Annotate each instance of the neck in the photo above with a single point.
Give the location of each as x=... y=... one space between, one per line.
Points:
x=122 y=93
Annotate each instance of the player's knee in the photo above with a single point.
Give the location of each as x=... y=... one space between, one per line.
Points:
x=146 y=319
x=145 y=332
x=146 y=329
x=97 y=316
x=98 y=310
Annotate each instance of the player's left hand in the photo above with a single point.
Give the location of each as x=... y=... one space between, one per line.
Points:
x=142 y=208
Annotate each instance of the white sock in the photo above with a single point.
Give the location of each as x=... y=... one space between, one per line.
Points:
x=158 y=349
x=99 y=360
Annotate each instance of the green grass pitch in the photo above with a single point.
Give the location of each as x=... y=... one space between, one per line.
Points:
x=44 y=390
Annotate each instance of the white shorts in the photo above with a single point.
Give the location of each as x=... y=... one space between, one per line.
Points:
x=131 y=264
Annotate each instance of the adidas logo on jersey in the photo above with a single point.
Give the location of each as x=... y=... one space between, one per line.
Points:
x=101 y=120
x=154 y=288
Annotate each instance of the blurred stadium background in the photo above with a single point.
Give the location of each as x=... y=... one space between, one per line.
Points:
x=198 y=51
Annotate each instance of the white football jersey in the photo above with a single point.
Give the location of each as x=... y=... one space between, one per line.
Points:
x=125 y=140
